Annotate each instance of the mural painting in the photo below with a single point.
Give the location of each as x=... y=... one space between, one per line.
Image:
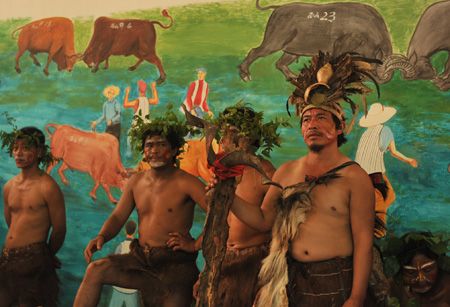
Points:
x=265 y=43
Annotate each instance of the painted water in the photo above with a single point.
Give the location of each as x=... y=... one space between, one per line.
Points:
x=421 y=126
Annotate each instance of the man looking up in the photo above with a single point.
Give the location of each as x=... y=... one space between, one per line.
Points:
x=246 y=247
x=33 y=203
x=164 y=198
x=323 y=220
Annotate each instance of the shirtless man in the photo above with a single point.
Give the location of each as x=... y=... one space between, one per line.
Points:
x=246 y=247
x=164 y=198
x=321 y=249
x=424 y=281
x=33 y=203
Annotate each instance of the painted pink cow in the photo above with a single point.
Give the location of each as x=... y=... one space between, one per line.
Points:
x=94 y=153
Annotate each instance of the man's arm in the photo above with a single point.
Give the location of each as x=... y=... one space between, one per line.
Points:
x=115 y=222
x=7 y=209
x=155 y=99
x=362 y=217
x=260 y=218
x=57 y=212
x=129 y=104
x=400 y=156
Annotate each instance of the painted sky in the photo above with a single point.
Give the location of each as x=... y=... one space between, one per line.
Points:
x=37 y=9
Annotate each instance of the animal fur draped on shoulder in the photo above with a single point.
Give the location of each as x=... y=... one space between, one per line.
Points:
x=291 y=209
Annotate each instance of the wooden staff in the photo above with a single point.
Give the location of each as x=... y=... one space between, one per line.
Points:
x=219 y=200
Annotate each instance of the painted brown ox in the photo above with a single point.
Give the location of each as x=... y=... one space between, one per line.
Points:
x=94 y=153
x=124 y=37
x=49 y=35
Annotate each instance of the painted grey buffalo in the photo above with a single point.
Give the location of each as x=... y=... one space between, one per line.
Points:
x=431 y=36
x=124 y=37
x=302 y=29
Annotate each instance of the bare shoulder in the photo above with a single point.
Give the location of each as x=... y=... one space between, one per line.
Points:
x=184 y=177
x=356 y=173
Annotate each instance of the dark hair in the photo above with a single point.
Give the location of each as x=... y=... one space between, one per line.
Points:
x=37 y=138
x=172 y=137
x=130 y=227
x=415 y=247
x=341 y=137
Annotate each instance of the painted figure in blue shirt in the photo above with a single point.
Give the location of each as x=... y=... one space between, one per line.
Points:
x=111 y=112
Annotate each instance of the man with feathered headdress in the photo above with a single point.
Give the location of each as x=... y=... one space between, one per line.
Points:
x=323 y=220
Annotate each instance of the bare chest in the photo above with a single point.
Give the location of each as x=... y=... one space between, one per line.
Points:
x=26 y=197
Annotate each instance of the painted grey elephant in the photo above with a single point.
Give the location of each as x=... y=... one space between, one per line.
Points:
x=302 y=29
x=430 y=37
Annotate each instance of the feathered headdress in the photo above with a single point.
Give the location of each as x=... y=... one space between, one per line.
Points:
x=329 y=80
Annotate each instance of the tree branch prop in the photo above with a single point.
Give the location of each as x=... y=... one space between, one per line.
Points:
x=219 y=199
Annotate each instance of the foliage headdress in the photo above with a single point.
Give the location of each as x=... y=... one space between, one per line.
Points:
x=250 y=124
x=169 y=127
x=329 y=80
x=32 y=139
x=396 y=251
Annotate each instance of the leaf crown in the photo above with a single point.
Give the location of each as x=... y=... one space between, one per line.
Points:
x=170 y=127
x=250 y=123
x=32 y=136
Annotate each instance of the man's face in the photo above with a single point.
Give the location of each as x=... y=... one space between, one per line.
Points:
x=158 y=151
x=319 y=129
x=201 y=75
x=421 y=273
x=24 y=155
x=110 y=95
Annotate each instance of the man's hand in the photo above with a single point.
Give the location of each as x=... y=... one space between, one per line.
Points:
x=212 y=182
x=211 y=114
x=93 y=246
x=108 y=123
x=180 y=242
x=195 y=289
x=93 y=125
x=127 y=90
x=413 y=162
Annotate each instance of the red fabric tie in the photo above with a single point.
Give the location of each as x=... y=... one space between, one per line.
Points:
x=224 y=172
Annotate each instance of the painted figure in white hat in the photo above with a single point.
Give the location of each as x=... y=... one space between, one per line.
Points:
x=374 y=142
x=111 y=112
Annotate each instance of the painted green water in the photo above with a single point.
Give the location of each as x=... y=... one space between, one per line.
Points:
x=218 y=37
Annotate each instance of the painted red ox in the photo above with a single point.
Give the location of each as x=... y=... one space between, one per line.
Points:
x=49 y=35
x=94 y=153
x=124 y=37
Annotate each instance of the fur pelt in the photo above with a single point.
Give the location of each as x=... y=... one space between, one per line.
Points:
x=291 y=210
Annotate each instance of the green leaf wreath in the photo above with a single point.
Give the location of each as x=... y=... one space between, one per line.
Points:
x=393 y=247
x=8 y=140
x=169 y=127
x=264 y=134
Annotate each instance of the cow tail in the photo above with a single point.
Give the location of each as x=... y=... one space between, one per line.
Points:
x=48 y=131
x=266 y=7
x=164 y=13
x=12 y=34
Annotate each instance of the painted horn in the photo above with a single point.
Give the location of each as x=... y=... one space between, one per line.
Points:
x=394 y=62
